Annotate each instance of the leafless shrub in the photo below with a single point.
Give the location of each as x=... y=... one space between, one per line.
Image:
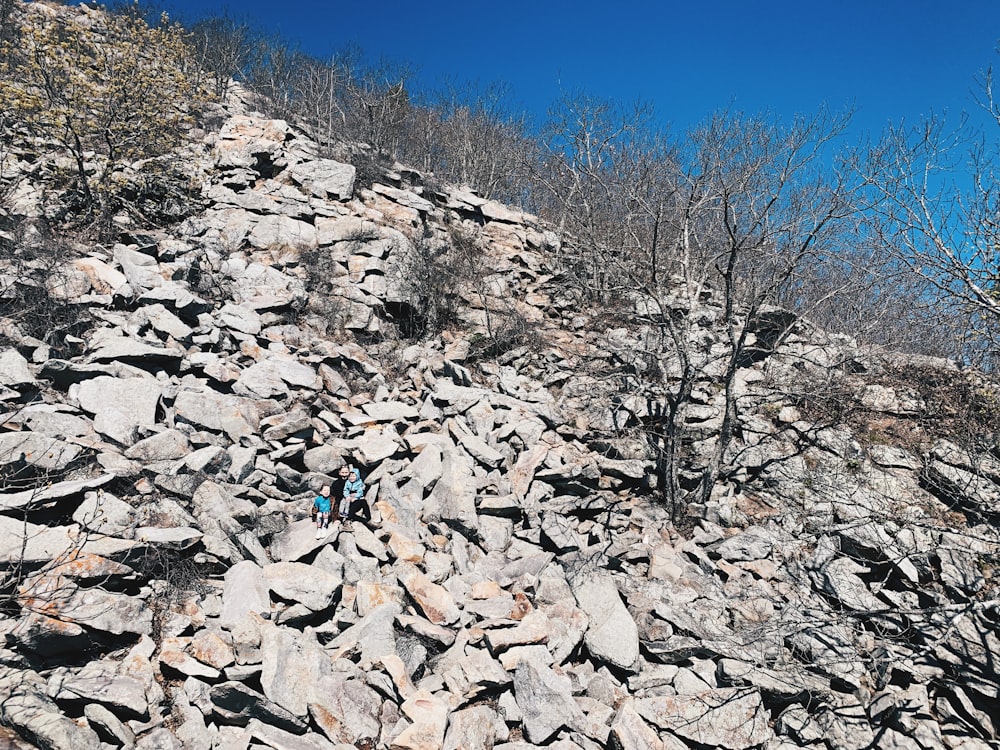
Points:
x=326 y=301
x=33 y=294
x=433 y=273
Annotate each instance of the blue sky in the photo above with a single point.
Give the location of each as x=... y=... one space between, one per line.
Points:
x=892 y=59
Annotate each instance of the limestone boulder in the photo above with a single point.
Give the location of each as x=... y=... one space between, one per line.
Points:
x=121 y=406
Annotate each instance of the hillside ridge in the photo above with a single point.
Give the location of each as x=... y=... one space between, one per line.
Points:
x=521 y=584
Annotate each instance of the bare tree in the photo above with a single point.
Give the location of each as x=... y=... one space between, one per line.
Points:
x=321 y=91
x=675 y=241
x=470 y=135
x=603 y=182
x=8 y=25
x=936 y=215
x=274 y=76
x=225 y=48
x=379 y=102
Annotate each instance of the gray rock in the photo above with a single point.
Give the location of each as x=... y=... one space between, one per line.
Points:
x=390 y=411
x=545 y=700
x=962 y=485
x=732 y=718
x=375 y=446
x=141 y=270
x=279 y=232
x=429 y=714
x=749 y=545
x=41 y=452
x=533 y=628
x=104 y=279
x=630 y=732
x=109 y=726
x=163 y=446
x=272 y=377
x=298 y=582
x=235 y=703
x=266 y=288
x=471 y=729
x=475 y=446
x=427 y=629
x=788 y=684
x=240 y=318
x=293 y=663
x=192 y=732
x=37 y=633
x=120 y=405
x=173 y=654
x=374 y=634
x=844 y=724
x=165 y=322
x=102 y=610
x=297 y=540
x=324 y=459
x=31 y=543
x=434 y=601
x=279 y=739
x=476 y=673
x=25 y=707
x=840 y=578
x=346 y=709
x=404 y=198
x=241 y=462
x=558 y=532
x=176 y=296
x=109 y=345
x=214 y=501
x=215 y=411
x=796 y=722
x=99 y=683
x=325 y=178
x=245 y=592
x=14 y=370
x=243 y=139
x=453 y=499
x=495 y=533
x=208 y=460
x=426 y=467
x=611 y=635
x=44 y=421
x=174 y=537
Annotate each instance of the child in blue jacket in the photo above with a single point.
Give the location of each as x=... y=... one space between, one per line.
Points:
x=353 y=504
x=321 y=510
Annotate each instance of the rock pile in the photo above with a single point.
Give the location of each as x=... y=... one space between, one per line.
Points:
x=518 y=588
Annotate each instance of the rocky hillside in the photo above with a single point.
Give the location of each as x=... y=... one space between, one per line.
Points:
x=519 y=587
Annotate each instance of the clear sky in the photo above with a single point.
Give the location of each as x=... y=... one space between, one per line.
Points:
x=892 y=59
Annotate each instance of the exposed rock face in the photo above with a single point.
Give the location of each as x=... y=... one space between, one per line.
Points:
x=517 y=586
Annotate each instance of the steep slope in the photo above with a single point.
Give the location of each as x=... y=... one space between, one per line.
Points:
x=520 y=586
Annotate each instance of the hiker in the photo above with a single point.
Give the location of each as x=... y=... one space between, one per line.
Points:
x=353 y=506
x=321 y=511
x=338 y=491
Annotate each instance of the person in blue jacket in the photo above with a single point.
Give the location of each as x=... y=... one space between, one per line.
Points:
x=321 y=510
x=353 y=505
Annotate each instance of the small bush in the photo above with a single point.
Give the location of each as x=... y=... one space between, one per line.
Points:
x=325 y=302
x=33 y=264
x=507 y=330
x=110 y=92
x=435 y=272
